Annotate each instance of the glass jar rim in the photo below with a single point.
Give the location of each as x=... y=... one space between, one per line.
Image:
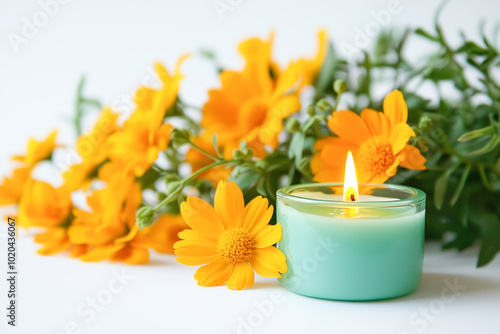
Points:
x=417 y=195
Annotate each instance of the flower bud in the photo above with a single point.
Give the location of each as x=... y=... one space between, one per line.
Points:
x=145 y=217
x=292 y=125
x=243 y=154
x=425 y=124
x=310 y=110
x=324 y=106
x=423 y=144
x=180 y=137
x=339 y=86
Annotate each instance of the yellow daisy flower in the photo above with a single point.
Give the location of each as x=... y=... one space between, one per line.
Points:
x=229 y=239
x=112 y=214
x=93 y=149
x=55 y=240
x=136 y=147
x=163 y=234
x=42 y=205
x=38 y=150
x=133 y=248
x=11 y=188
x=378 y=142
x=309 y=67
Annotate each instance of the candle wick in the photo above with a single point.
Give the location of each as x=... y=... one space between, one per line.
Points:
x=353 y=199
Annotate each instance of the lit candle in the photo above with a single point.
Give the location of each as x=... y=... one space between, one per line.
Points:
x=352 y=243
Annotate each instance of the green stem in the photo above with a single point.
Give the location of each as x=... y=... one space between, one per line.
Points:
x=205 y=152
x=190 y=106
x=337 y=100
x=78 y=107
x=174 y=194
x=484 y=178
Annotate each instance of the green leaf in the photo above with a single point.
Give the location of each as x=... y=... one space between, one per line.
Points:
x=206 y=53
x=460 y=186
x=490 y=146
x=296 y=147
x=149 y=178
x=489 y=224
x=473 y=48
x=448 y=71
x=423 y=33
x=261 y=187
x=299 y=147
x=441 y=185
x=324 y=79
x=487 y=131
x=464 y=237
x=244 y=176
x=216 y=145
x=277 y=161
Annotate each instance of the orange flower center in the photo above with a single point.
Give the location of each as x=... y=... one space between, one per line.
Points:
x=253 y=115
x=376 y=155
x=235 y=245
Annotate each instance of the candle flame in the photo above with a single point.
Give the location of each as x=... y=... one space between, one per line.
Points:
x=351 y=193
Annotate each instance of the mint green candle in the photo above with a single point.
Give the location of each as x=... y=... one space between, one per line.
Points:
x=365 y=250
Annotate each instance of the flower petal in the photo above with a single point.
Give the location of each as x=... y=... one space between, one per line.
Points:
x=229 y=204
x=269 y=262
x=257 y=215
x=335 y=152
x=411 y=158
x=329 y=174
x=201 y=216
x=399 y=136
x=395 y=108
x=101 y=253
x=268 y=236
x=377 y=122
x=242 y=276
x=194 y=248
x=349 y=126
x=193 y=235
x=197 y=260
x=131 y=255
x=214 y=274
x=391 y=171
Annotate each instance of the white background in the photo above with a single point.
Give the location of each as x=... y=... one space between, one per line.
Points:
x=114 y=43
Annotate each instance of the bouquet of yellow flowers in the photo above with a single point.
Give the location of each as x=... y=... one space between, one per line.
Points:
x=201 y=182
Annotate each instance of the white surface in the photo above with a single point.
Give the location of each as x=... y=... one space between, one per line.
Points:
x=163 y=297
x=115 y=43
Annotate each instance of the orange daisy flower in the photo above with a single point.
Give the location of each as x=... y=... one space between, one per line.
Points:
x=229 y=239
x=252 y=104
x=378 y=141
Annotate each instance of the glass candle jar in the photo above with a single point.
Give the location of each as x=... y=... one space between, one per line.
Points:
x=364 y=250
